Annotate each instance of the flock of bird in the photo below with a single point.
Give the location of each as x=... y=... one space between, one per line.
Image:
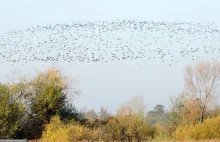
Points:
x=108 y=41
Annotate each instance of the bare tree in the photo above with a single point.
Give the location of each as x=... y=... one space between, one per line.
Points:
x=201 y=81
x=136 y=105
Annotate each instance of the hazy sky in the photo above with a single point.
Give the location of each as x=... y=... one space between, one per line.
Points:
x=110 y=84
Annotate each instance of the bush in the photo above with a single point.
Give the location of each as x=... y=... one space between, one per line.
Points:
x=130 y=122
x=209 y=129
x=56 y=130
x=129 y=128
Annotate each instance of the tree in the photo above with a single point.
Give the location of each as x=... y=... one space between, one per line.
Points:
x=178 y=103
x=185 y=108
x=201 y=81
x=91 y=115
x=157 y=116
x=183 y=111
x=70 y=113
x=191 y=112
x=215 y=111
x=130 y=122
x=159 y=109
x=103 y=114
x=11 y=112
x=44 y=96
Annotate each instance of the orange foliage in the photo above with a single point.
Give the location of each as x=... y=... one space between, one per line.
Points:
x=191 y=113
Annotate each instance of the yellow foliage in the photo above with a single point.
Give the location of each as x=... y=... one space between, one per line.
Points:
x=209 y=129
x=191 y=113
x=78 y=132
x=128 y=125
x=53 y=76
x=57 y=131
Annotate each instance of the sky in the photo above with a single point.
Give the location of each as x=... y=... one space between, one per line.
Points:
x=111 y=84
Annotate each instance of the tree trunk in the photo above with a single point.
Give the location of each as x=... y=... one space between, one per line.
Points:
x=138 y=139
x=202 y=116
x=130 y=139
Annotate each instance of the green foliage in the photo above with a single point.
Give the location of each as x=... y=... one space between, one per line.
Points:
x=173 y=121
x=166 y=125
x=46 y=94
x=69 y=113
x=11 y=112
x=157 y=116
x=49 y=96
x=209 y=129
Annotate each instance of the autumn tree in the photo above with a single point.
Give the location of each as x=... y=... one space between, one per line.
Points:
x=201 y=81
x=186 y=109
x=11 y=111
x=43 y=97
x=130 y=123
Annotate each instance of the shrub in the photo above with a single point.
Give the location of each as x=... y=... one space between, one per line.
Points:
x=130 y=127
x=56 y=130
x=209 y=129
